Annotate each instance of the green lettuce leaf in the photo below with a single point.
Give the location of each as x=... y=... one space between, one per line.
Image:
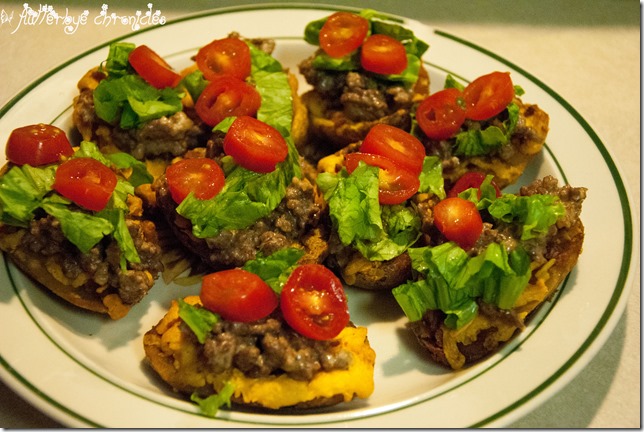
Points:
x=84 y=230
x=194 y=83
x=200 y=320
x=477 y=142
x=431 y=177
x=353 y=203
x=275 y=268
x=21 y=192
x=534 y=213
x=210 y=405
x=378 y=232
x=117 y=63
x=452 y=281
x=127 y=100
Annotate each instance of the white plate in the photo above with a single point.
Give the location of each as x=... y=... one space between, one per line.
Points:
x=84 y=370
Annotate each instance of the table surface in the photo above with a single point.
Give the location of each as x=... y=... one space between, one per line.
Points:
x=587 y=50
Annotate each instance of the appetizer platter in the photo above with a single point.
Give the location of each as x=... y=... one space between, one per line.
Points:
x=134 y=338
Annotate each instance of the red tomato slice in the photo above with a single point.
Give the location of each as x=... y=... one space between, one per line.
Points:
x=468 y=180
x=396 y=144
x=383 y=54
x=459 y=221
x=488 y=95
x=313 y=302
x=152 y=68
x=227 y=97
x=237 y=295
x=343 y=33
x=396 y=184
x=38 y=144
x=85 y=181
x=224 y=57
x=255 y=145
x=440 y=115
x=201 y=176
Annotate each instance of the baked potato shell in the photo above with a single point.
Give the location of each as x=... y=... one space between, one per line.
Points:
x=48 y=272
x=483 y=336
x=174 y=355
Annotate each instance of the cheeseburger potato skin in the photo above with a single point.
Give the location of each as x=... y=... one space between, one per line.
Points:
x=175 y=355
x=87 y=289
x=492 y=327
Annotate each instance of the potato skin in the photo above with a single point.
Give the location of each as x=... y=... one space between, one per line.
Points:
x=81 y=291
x=175 y=355
x=492 y=327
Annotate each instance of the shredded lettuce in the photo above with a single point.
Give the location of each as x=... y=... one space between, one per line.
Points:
x=200 y=320
x=275 y=268
x=129 y=101
x=353 y=202
x=117 y=63
x=125 y=99
x=477 y=142
x=431 y=177
x=378 y=232
x=22 y=190
x=194 y=83
x=210 y=405
x=532 y=214
x=452 y=281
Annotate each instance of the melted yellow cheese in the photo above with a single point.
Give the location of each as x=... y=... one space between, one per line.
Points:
x=532 y=296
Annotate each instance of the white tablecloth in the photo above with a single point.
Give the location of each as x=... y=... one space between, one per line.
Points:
x=588 y=51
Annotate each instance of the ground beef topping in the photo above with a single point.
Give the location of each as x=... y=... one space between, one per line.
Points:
x=102 y=264
x=359 y=96
x=270 y=347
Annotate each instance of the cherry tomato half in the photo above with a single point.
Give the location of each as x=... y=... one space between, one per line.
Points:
x=201 y=176
x=468 y=180
x=343 y=33
x=396 y=144
x=85 y=181
x=237 y=295
x=383 y=54
x=152 y=68
x=488 y=95
x=227 y=97
x=313 y=302
x=440 y=115
x=38 y=144
x=395 y=183
x=459 y=221
x=224 y=57
x=255 y=145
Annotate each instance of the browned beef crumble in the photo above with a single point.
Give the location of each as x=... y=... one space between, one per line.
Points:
x=269 y=347
x=102 y=264
x=359 y=96
x=286 y=226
